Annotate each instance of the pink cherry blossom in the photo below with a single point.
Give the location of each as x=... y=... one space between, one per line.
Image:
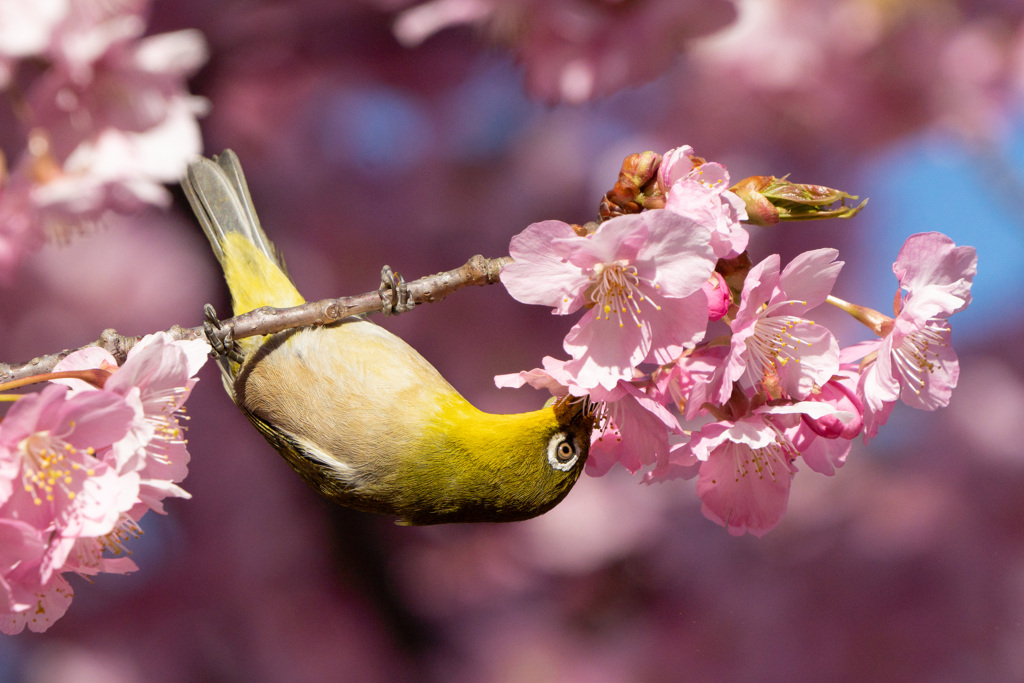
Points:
x=771 y=344
x=745 y=486
x=634 y=430
x=640 y=274
x=701 y=192
x=747 y=465
x=119 y=121
x=745 y=474
x=58 y=444
x=80 y=465
x=914 y=360
x=59 y=490
x=155 y=381
x=111 y=119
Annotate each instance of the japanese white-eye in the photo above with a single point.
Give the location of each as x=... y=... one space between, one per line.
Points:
x=365 y=419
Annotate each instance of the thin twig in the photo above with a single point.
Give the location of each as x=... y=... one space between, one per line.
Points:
x=429 y=289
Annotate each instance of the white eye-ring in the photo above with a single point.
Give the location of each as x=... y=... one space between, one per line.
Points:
x=562 y=453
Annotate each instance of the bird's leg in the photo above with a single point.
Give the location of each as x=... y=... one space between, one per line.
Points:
x=394 y=293
x=221 y=346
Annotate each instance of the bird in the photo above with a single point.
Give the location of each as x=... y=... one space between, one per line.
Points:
x=358 y=413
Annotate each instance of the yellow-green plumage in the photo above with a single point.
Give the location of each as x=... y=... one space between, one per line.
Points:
x=362 y=416
x=253 y=279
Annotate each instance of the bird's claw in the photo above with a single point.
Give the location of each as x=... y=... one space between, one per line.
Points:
x=394 y=293
x=221 y=345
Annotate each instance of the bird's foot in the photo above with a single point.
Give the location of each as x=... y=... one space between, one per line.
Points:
x=394 y=293
x=222 y=345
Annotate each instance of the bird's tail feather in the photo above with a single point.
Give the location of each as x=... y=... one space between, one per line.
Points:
x=254 y=270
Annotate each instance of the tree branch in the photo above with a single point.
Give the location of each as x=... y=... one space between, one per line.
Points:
x=266 y=320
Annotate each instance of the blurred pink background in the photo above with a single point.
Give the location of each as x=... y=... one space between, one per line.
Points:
x=908 y=565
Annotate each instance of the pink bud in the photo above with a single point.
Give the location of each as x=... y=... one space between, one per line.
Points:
x=837 y=392
x=717 y=292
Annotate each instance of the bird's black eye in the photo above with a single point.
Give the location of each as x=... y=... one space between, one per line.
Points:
x=562 y=453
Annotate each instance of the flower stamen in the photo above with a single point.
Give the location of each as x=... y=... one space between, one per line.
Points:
x=773 y=344
x=915 y=358
x=47 y=466
x=615 y=289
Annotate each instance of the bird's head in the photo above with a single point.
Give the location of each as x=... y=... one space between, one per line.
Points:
x=488 y=468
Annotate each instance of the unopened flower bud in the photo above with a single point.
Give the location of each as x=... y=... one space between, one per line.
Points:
x=717 y=291
x=759 y=209
x=636 y=188
x=640 y=168
x=770 y=200
x=842 y=395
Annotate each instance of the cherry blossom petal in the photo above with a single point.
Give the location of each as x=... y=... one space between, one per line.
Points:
x=679 y=324
x=553 y=376
x=927 y=303
x=21 y=546
x=88 y=358
x=937 y=383
x=809 y=277
x=678 y=250
x=822 y=455
x=540 y=272
x=816 y=361
x=48 y=606
x=95 y=420
x=604 y=351
x=745 y=490
x=757 y=290
x=675 y=165
x=931 y=259
x=618 y=239
x=841 y=392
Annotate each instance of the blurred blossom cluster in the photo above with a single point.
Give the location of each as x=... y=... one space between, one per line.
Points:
x=677 y=318
x=80 y=463
x=576 y=50
x=821 y=62
x=105 y=115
